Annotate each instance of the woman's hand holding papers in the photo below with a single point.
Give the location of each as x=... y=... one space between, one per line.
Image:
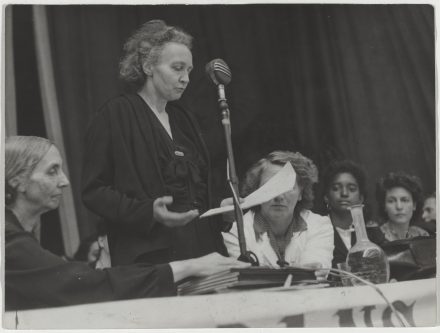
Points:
x=229 y=217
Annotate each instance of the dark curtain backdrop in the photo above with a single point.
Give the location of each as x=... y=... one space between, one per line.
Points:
x=29 y=108
x=330 y=81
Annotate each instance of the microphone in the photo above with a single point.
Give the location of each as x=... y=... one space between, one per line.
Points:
x=220 y=74
x=218 y=71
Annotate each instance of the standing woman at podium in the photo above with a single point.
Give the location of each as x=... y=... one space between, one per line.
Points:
x=147 y=169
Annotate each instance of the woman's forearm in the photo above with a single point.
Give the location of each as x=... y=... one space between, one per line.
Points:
x=204 y=266
x=182 y=269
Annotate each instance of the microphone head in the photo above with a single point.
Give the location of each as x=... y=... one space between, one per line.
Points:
x=218 y=71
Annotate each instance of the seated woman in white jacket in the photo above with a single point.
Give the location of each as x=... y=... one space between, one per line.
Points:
x=283 y=231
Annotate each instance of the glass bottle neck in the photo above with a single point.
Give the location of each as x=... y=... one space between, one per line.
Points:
x=359 y=223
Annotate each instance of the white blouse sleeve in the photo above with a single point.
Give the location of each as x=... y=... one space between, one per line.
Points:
x=320 y=241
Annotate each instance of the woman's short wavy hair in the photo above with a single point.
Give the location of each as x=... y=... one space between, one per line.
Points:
x=146 y=45
x=430 y=195
x=22 y=154
x=306 y=175
x=392 y=180
x=344 y=166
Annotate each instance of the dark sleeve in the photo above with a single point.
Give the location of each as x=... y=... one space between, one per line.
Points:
x=376 y=235
x=105 y=151
x=37 y=278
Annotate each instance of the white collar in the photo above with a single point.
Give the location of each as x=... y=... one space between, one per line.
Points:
x=345 y=231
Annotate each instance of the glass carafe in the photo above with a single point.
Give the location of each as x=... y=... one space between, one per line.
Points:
x=365 y=259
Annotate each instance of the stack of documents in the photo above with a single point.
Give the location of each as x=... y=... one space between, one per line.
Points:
x=245 y=278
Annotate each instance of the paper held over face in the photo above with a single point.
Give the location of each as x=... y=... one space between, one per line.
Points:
x=281 y=182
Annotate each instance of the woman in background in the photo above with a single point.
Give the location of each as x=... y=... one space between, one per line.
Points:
x=94 y=250
x=35 y=277
x=429 y=212
x=283 y=231
x=429 y=209
x=399 y=197
x=344 y=184
x=146 y=167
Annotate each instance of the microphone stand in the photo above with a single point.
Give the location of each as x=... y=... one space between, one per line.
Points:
x=245 y=255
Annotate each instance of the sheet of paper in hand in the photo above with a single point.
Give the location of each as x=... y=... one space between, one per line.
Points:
x=280 y=183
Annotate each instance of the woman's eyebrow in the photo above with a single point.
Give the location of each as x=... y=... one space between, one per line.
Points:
x=54 y=164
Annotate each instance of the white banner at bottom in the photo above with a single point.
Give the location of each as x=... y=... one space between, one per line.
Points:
x=326 y=307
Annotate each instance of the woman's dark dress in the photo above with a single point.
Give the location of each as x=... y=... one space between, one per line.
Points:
x=35 y=277
x=129 y=162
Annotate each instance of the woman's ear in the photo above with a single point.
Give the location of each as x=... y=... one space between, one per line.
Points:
x=147 y=69
x=326 y=203
x=361 y=197
x=17 y=184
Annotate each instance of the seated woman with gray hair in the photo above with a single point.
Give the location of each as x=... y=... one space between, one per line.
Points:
x=283 y=231
x=35 y=277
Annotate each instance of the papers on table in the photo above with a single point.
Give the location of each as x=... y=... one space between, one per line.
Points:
x=247 y=278
x=280 y=183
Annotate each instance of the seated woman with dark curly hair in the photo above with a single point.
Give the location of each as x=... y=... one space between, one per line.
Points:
x=283 y=231
x=344 y=185
x=399 y=197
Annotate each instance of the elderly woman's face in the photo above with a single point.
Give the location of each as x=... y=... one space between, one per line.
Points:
x=170 y=75
x=279 y=209
x=343 y=192
x=43 y=190
x=399 y=205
